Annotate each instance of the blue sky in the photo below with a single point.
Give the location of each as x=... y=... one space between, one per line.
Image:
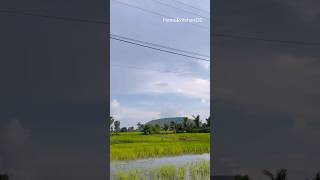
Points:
x=150 y=93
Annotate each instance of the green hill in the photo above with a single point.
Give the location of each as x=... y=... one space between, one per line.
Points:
x=163 y=121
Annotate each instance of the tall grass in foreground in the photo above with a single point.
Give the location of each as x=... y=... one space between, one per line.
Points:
x=193 y=171
x=131 y=146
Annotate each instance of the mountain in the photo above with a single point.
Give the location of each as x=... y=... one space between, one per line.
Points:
x=163 y=121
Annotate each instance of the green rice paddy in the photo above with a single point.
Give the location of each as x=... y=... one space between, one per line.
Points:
x=136 y=145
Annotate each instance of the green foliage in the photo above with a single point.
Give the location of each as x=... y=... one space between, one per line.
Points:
x=124 y=129
x=166 y=127
x=140 y=127
x=173 y=126
x=196 y=120
x=117 y=126
x=150 y=129
x=110 y=122
x=208 y=122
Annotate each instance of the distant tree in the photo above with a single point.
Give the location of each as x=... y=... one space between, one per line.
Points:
x=185 y=123
x=208 y=121
x=280 y=175
x=140 y=126
x=130 y=129
x=165 y=127
x=110 y=122
x=196 y=120
x=240 y=177
x=173 y=126
x=124 y=129
x=179 y=127
x=156 y=129
x=117 y=126
x=317 y=176
x=147 y=129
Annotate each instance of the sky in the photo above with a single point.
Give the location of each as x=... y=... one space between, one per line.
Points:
x=165 y=85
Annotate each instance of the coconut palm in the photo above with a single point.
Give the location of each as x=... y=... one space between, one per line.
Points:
x=173 y=126
x=117 y=126
x=208 y=121
x=196 y=120
x=165 y=127
x=185 y=123
x=110 y=122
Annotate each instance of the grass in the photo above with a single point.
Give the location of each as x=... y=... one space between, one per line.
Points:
x=135 y=145
x=194 y=171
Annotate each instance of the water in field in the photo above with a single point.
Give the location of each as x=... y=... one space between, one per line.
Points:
x=180 y=165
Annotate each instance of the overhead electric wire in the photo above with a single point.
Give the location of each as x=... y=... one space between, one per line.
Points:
x=161 y=46
x=156 y=13
x=54 y=17
x=188 y=5
x=186 y=11
x=146 y=69
x=216 y=34
x=159 y=49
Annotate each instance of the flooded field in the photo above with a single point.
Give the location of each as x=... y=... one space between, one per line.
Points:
x=184 y=167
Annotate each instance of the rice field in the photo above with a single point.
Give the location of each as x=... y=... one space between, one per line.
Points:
x=193 y=171
x=135 y=145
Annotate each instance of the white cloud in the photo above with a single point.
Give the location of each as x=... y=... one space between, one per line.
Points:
x=131 y=116
x=169 y=83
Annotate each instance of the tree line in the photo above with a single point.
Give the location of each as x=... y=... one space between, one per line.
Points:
x=193 y=125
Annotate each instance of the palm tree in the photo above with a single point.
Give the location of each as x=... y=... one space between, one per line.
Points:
x=140 y=126
x=110 y=122
x=185 y=123
x=173 y=126
x=165 y=127
x=280 y=175
x=208 y=121
x=196 y=120
x=117 y=126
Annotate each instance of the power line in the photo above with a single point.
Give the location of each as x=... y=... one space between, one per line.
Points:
x=267 y=40
x=54 y=17
x=158 y=49
x=155 y=13
x=174 y=7
x=161 y=46
x=146 y=69
x=193 y=7
x=104 y=22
